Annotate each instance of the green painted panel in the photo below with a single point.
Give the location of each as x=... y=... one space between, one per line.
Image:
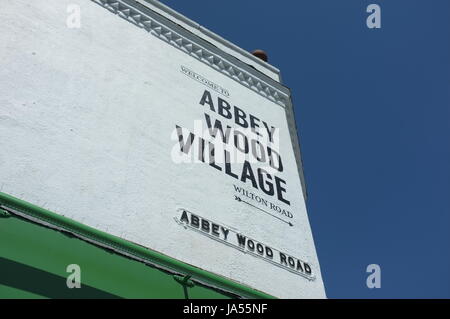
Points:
x=33 y=262
x=14 y=293
x=43 y=247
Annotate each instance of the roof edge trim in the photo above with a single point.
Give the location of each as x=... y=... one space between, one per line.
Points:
x=210 y=33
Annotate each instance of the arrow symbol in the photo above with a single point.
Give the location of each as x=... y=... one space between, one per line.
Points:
x=241 y=200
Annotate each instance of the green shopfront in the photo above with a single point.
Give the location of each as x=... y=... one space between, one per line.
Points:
x=37 y=246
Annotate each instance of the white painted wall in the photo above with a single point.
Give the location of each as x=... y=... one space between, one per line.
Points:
x=86 y=117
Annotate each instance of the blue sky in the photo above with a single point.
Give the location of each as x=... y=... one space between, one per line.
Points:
x=373 y=111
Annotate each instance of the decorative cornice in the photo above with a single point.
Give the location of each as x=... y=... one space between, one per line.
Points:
x=128 y=10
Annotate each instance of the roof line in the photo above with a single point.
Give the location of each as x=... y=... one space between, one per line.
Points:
x=210 y=34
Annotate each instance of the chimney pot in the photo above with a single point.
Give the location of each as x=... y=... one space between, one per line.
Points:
x=261 y=54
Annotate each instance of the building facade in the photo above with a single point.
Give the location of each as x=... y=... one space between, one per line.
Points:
x=149 y=154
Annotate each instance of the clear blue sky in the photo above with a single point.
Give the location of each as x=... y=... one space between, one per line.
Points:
x=373 y=111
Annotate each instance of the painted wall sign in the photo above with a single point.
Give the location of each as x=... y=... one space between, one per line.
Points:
x=244 y=243
x=137 y=127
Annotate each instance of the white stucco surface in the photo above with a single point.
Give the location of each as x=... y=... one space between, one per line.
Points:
x=86 y=123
